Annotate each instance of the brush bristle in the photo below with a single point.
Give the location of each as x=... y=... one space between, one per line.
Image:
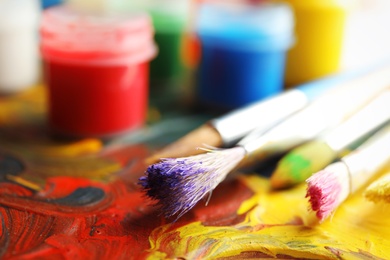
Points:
x=177 y=184
x=300 y=163
x=379 y=190
x=326 y=190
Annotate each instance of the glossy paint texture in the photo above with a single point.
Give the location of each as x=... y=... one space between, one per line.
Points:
x=90 y=206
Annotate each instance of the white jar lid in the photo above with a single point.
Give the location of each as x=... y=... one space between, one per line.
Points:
x=85 y=37
x=15 y=14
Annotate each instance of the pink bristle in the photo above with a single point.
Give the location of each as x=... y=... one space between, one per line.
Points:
x=323 y=191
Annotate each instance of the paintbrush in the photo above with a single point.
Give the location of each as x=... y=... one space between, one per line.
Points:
x=379 y=190
x=177 y=184
x=226 y=130
x=298 y=165
x=328 y=188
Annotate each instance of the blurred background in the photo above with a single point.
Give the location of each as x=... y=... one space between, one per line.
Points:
x=209 y=55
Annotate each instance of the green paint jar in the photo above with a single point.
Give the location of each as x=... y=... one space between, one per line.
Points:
x=167 y=70
x=168 y=35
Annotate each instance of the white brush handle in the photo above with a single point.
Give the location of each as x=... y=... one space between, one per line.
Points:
x=337 y=105
x=370 y=157
x=323 y=114
x=260 y=115
x=358 y=125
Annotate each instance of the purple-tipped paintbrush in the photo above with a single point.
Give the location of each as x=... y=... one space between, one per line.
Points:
x=177 y=184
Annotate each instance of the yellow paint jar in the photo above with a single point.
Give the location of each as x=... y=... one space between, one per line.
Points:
x=319 y=33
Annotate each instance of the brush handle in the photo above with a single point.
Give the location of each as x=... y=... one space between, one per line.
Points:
x=318 y=87
x=368 y=158
x=238 y=123
x=325 y=113
x=266 y=113
x=366 y=120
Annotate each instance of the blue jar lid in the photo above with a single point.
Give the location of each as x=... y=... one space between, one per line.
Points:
x=265 y=26
x=50 y=3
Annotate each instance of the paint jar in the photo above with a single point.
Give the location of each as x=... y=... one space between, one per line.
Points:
x=169 y=17
x=19 y=55
x=100 y=6
x=320 y=26
x=96 y=69
x=167 y=70
x=243 y=51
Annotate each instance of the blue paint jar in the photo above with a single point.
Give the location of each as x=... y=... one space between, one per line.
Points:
x=243 y=52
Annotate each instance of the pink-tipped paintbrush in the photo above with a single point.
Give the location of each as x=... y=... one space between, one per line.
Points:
x=330 y=187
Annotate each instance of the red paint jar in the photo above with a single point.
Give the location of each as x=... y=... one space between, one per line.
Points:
x=96 y=70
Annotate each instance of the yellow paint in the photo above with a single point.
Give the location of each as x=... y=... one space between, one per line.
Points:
x=27 y=106
x=71 y=149
x=278 y=222
x=24 y=182
x=379 y=191
x=319 y=33
x=87 y=167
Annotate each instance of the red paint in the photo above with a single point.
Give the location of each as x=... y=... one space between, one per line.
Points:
x=97 y=70
x=96 y=100
x=115 y=227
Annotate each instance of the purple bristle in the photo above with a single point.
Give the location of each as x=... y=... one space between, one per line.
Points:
x=169 y=183
x=178 y=184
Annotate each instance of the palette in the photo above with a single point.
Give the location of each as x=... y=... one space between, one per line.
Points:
x=90 y=206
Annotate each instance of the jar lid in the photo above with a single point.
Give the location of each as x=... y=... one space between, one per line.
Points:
x=167 y=15
x=85 y=37
x=327 y=4
x=15 y=14
x=260 y=26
